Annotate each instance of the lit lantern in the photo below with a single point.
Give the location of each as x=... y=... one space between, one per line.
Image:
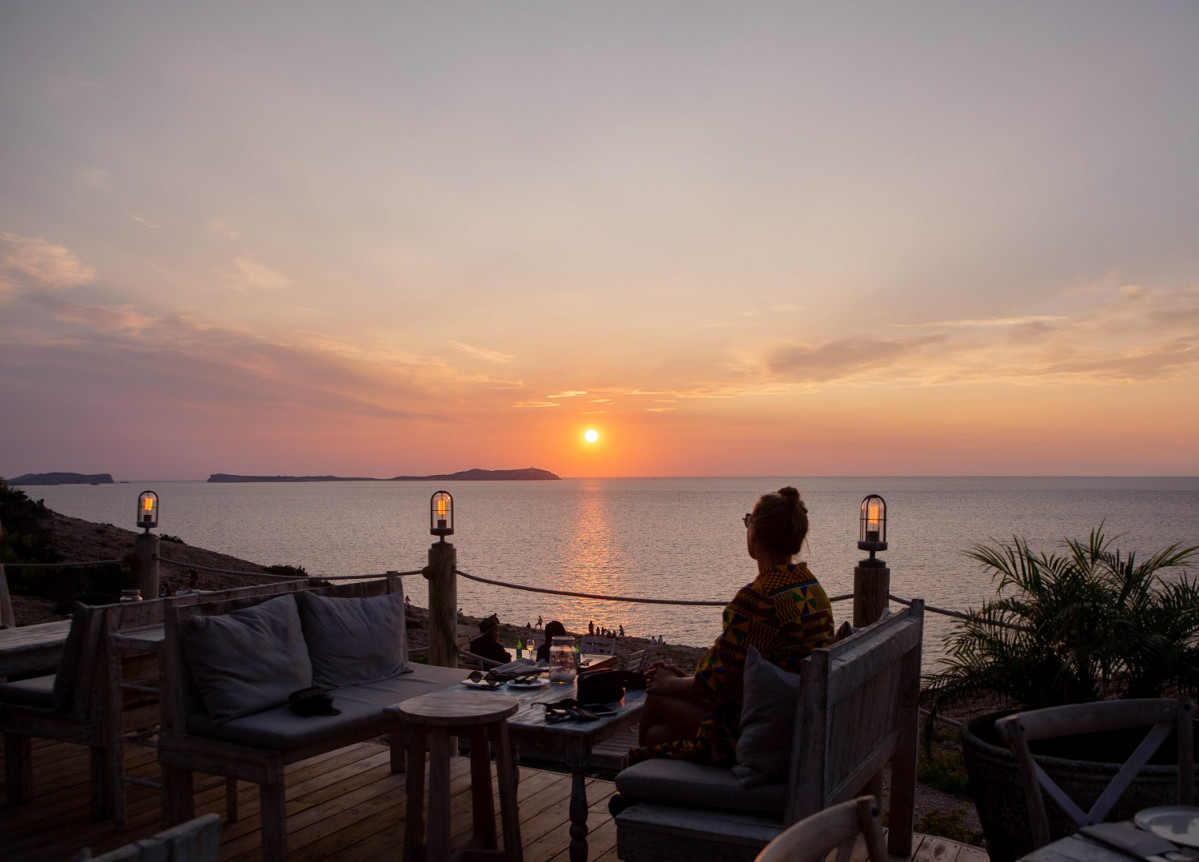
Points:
x=441 y=514
x=872 y=534
x=147 y=510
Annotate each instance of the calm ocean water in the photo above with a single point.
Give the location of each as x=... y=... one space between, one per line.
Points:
x=658 y=538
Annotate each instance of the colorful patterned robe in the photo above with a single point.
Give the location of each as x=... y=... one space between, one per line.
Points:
x=785 y=614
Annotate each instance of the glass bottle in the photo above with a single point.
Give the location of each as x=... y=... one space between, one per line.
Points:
x=562 y=659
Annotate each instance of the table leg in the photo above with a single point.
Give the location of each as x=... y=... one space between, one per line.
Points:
x=578 y=815
x=480 y=787
x=438 y=844
x=414 y=827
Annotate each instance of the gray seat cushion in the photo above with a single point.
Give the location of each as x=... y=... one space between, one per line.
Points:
x=361 y=713
x=682 y=782
x=38 y=691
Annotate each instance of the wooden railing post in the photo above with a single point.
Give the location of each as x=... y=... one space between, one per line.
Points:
x=871 y=586
x=443 y=604
x=6 y=614
x=145 y=554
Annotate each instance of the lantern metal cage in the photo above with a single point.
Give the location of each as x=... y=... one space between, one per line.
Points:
x=441 y=514
x=147 y=510
x=872 y=525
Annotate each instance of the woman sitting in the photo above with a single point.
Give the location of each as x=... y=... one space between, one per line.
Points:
x=553 y=629
x=784 y=613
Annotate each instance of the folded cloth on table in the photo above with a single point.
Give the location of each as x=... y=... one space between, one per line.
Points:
x=520 y=667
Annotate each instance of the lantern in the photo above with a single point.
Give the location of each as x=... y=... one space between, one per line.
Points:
x=441 y=514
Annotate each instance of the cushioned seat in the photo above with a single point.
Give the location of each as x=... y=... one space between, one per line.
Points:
x=682 y=782
x=361 y=708
x=38 y=691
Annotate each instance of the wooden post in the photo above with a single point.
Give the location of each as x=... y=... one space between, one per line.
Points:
x=7 y=619
x=145 y=552
x=443 y=604
x=871 y=586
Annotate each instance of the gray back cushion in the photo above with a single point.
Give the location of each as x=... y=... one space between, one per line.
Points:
x=68 y=667
x=767 y=722
x=247 y=660
x=355 y=641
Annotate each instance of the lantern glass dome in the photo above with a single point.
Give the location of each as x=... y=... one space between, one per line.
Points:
x=441 y=514
x=147 y=510
x=872 y=524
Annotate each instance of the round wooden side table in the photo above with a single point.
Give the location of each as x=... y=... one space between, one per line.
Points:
x=434 y=719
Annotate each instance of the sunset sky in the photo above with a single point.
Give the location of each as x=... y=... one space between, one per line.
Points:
x=760 y=238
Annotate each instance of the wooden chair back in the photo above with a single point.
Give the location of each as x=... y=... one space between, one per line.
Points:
x=596 y=645
x=858 y=707
x=1161 y=717
x=834 y=828
x=633 y=660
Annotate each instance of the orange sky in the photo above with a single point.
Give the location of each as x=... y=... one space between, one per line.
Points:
x=780 y=239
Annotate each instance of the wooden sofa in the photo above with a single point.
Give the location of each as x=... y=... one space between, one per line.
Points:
x=90 y=698
x=256 y=746
x=856 y=709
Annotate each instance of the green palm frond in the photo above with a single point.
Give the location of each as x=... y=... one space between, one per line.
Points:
x=1067 y=628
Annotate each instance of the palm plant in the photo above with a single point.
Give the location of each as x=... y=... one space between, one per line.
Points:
x=1088 y=624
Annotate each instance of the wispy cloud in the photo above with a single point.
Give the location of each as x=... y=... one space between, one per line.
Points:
x=249 y=274
x=536 y=404
x=483 y=353
x=145 y=222
x=1124 y=335
x=221 y=227
x=568 y=393
x=38 y=265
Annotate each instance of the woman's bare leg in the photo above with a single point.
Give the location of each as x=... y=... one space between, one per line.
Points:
x=666 y=718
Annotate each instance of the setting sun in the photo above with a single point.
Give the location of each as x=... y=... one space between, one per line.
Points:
x=590 y=435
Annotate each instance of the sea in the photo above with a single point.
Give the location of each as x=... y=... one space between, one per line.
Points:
x=660 y=538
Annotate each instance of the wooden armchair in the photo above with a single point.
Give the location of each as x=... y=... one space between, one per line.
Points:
x=1160 y=716
x=834 y=828
x=68 y=706
x=856 y=708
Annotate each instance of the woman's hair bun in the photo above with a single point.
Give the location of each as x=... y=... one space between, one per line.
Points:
x=789 y=494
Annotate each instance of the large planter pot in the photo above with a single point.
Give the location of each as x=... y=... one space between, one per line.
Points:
x=1082 y=770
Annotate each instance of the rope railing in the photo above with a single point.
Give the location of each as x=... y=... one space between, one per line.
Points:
x=62 y=565
x=632 y=599
x=961 y=616
x=198 y=567
x=491 y=582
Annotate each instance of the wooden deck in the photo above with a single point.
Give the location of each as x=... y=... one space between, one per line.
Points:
x=345 y=805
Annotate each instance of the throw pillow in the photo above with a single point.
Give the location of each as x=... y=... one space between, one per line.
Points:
x=355 y=641
x=248 y=660
x=68 y=667
x=767 y=722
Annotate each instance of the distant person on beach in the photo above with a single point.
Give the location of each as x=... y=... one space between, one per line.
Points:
x=553 y=629
x=487 y=644
x=784 y=614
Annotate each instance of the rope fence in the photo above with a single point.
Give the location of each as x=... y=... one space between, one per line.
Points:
x=492 y=582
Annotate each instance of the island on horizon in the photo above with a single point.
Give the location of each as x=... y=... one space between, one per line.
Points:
x=473 y=475
x=62 y=479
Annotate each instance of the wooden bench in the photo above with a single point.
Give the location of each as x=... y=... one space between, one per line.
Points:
x=256 y=747
x=857 y=709
x=87 y=700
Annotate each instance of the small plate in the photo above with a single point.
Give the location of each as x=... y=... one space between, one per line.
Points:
x=1177 y=823
x=470 y=683
x=536 y=683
